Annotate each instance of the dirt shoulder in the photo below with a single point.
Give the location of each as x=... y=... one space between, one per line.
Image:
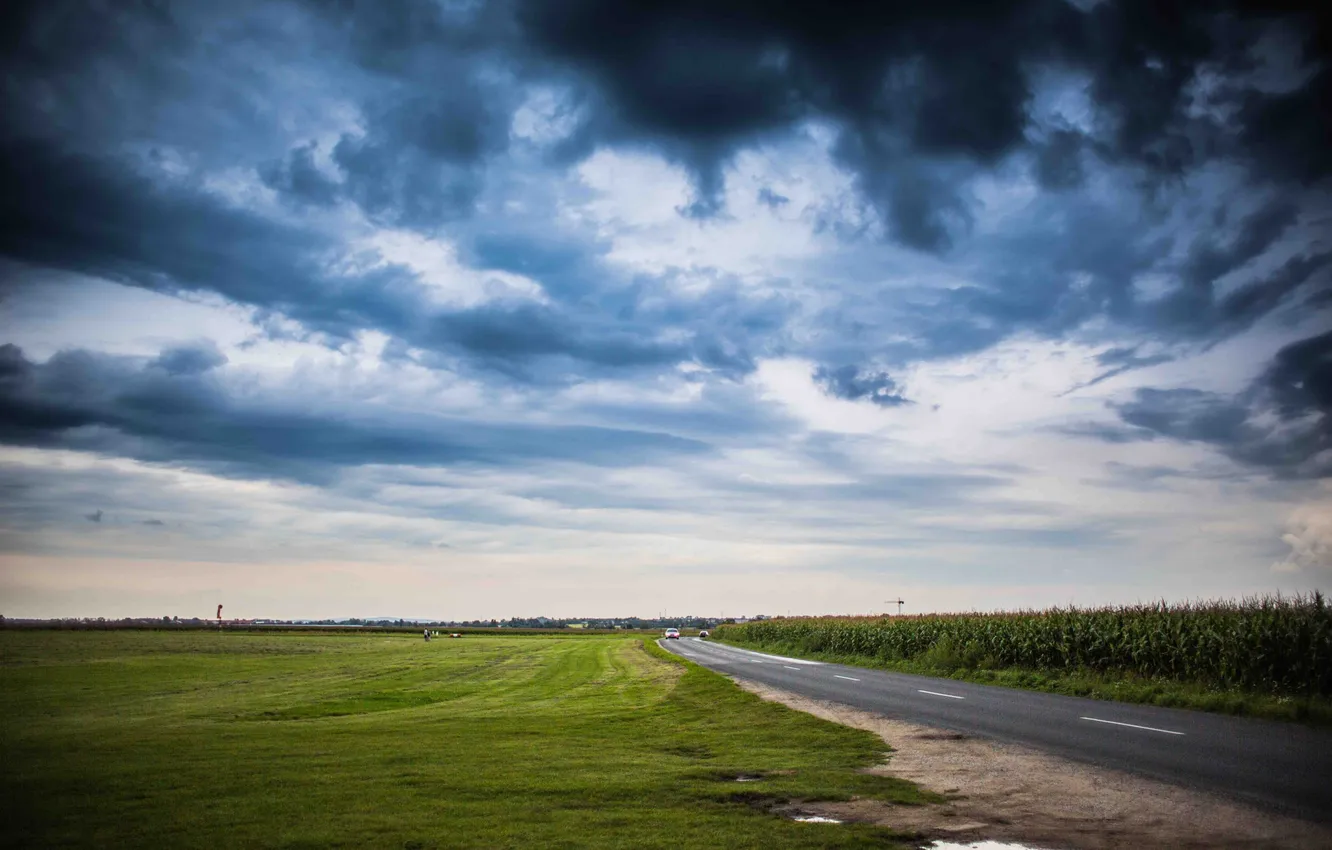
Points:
x=1005 y=792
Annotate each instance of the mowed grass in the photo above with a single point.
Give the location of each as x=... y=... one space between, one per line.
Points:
x=143 y=739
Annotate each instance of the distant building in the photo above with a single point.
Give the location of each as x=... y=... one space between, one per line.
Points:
x=577 y=625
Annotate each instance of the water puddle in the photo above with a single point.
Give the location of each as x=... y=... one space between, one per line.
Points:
x=814 y=819
x=979 y=845
x=747 y=779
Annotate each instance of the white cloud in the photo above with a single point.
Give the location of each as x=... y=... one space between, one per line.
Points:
x=448 y=282
x=639 y=196
x=67 y=311
x=1309 y=536
x=545 y=117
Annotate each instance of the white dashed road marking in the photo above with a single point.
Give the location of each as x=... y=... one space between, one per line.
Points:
x=937 y=694
x=736 y=651
x=789 y=667
x=1131 y=725
x=848 y=678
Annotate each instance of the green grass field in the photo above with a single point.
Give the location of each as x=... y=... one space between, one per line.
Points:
x=155 y=739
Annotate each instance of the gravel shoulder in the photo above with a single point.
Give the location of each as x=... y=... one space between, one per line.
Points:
x=1012 y=793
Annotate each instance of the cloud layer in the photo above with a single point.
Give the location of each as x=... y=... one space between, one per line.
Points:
x=875 y=291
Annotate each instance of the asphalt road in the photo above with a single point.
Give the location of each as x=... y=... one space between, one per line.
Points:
x=1280 y=766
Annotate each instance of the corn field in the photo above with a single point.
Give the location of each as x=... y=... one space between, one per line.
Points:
x=1277 y=645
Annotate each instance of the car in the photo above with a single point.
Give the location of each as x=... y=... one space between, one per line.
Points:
x=672 y=634
x=703 y=633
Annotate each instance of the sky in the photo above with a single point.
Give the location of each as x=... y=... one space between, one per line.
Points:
x=567 y=308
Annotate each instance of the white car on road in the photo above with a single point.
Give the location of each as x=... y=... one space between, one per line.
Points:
x=672 y=634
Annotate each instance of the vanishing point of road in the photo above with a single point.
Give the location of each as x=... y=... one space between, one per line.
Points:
x=1280 y=766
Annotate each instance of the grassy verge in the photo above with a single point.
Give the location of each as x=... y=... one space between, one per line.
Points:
x=1124 y=687
x=137 y=739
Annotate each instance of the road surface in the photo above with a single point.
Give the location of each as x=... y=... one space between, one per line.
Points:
x=1281 y=766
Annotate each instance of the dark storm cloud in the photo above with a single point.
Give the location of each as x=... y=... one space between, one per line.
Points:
x=82 y=400
x=567 y=267
x=920 y=100
x=852 y=384
x=1186 y=415
x=1037 y=277
x=402 y=186
x=1257 y=298
x=90 y=215
x=516 y=335
x=942 y=80
x=1196 y=307
x=1282 y=422
x=1288 y=449
x=45 y=46
x=192 y=359
x=419 y=162
x=1299 y=380
x=697 y=80
x=1059 y=160
x=1286 y=133
x=600 y=321
x=95 y=215
x=1032 y=276
x=1209 y=261
x=442 y=99
x=300 y=180
x=229 y=85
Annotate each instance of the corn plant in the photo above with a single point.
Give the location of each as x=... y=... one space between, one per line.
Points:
x=1270 y=644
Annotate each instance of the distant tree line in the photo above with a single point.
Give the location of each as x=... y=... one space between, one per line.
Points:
x=527 y=624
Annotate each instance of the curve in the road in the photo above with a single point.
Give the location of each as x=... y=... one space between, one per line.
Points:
x=1281 y=766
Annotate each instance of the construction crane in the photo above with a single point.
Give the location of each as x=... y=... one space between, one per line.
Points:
x=898 y=602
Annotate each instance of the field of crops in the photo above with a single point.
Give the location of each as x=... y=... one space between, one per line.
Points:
x=1270 y=645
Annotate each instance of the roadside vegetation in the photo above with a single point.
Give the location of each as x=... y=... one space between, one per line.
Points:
x=1267 y=657
x=193 y=739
